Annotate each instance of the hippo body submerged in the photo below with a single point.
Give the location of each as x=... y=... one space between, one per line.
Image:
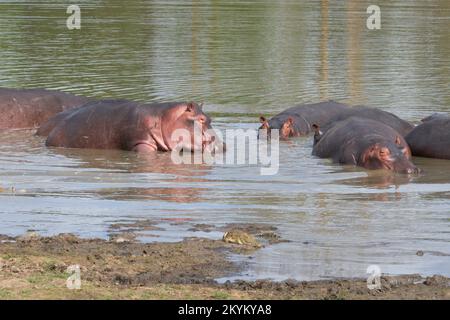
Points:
x=47 y=127
x=298 y=120
x=365 y=143
x=29 y=108
x=431 y=138
x=401 y=126
x=128 y=125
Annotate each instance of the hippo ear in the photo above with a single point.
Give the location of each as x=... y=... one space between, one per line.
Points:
x=317 y=133
x=264 y=123
x=200 y=105
x=189 y=107
x=316 y=128
x=398 y=141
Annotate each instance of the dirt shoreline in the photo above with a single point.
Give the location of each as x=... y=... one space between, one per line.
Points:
x=35 y=267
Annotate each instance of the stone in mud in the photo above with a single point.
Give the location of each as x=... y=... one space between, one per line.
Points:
x=29 y=236
x=123 y=237
x=240 y=237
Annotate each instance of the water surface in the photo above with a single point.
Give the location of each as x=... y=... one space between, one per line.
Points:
x=242 y=59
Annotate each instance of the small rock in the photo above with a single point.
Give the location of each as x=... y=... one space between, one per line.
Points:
x=15 y=269
x=240 y=237
x=437 y=280
x=121 y=240
x=29 y=235
x=123 y=237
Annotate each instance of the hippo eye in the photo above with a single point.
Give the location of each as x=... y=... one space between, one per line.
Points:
x=384 y=152
x=406 y=152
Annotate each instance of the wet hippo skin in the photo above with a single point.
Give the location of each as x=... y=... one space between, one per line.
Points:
x=401 y=126
x=298 y=120
x=365 y=143
x=431 y=138
x=128 y=125
x=29 y=108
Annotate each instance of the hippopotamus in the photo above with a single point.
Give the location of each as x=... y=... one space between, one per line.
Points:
x=431 y=138
x=366 y=143
x=298 y=120
x=46 y=127
x=401 y=126
x=29 y=108
x=133 y=126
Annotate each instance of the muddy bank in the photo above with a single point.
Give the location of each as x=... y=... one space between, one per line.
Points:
x=36 y=267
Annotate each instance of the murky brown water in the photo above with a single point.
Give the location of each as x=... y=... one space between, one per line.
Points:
x=241 y=59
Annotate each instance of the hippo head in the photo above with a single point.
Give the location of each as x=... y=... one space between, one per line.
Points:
x=394 y=156
x=286 y=127
x=189 y=119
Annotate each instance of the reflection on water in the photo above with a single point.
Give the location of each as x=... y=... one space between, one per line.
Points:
x=241 y=59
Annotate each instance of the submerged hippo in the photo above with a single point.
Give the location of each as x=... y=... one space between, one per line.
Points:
x=47 y=127
x=366 y=143
x=127 y=125
x=401 y=126
x=298 y=120
x=28 y=108
x=431 y=138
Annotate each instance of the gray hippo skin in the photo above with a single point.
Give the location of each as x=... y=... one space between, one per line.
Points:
x=366 y=143
x=46 y=127
x=298 y=120
x=128 y=125
x=29 y=108
x=431 y=138
x=401 y=126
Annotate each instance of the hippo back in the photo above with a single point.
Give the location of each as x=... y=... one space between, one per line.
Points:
x=401 y=126
x=96 y=125
x=28 y=108
x=45 y=128
x=305 y=115
x=109 y=124
x=431 y=138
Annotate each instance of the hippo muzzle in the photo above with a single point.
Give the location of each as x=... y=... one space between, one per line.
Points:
x=390 y=157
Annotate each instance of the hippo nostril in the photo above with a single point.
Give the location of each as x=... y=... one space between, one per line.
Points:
x=413 y=171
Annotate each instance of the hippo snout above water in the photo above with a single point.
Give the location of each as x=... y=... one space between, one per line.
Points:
x=366 y=143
